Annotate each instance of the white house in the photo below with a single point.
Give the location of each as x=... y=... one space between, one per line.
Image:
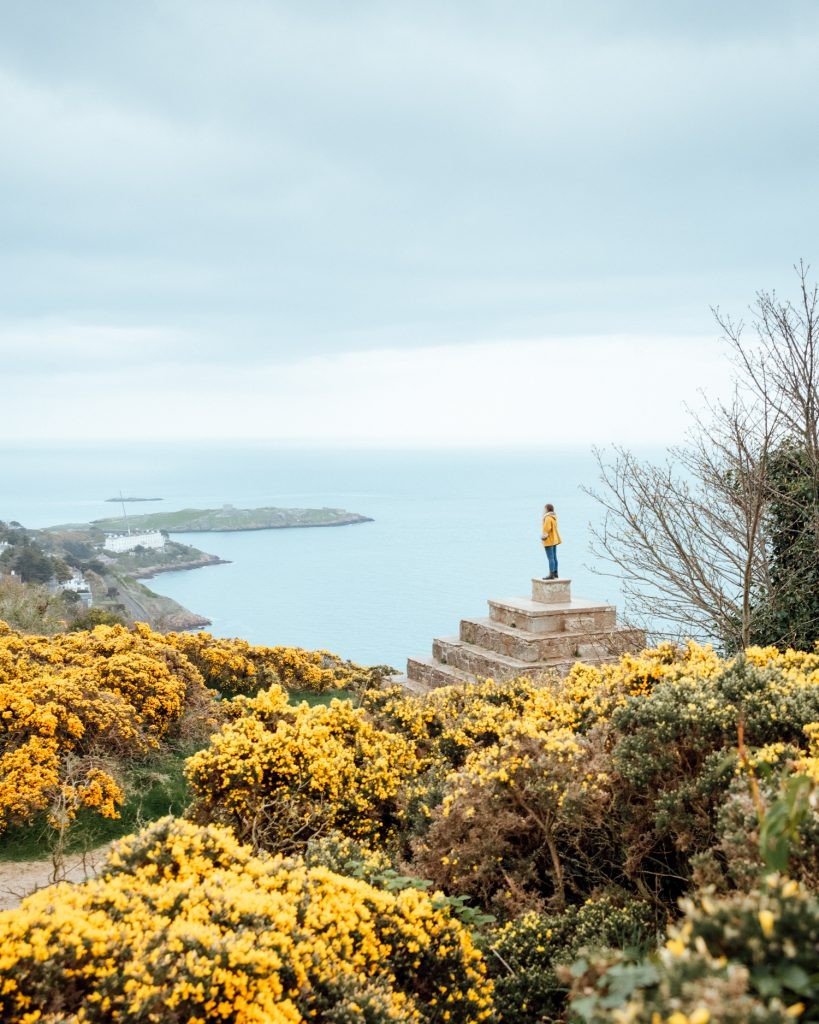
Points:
x=120 y=543
x=77 y=583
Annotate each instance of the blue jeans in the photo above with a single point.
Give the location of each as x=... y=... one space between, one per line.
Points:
x=551 y=554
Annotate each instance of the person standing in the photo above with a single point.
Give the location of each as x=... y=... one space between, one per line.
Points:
x=550 y=538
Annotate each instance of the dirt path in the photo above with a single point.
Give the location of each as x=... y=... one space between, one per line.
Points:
x=20 y=878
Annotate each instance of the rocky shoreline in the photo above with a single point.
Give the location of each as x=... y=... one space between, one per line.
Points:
x=183 y=622
x=149 y=571
x=352 y=521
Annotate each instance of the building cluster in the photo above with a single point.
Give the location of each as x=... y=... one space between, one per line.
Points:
x=120 y=543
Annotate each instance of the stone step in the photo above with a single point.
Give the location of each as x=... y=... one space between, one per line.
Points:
x=427 y=673
x=575 y=616
x=406 y=683
x=530 y=647
x=477 y=661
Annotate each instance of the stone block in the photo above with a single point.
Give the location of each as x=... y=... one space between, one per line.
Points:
x=478 y=661
x=527 y=615
x=592 y=650
x=590 y=621
x=516 y=643
x=427 y=673
x=551 y=591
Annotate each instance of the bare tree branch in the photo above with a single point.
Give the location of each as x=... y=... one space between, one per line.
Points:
x=690 y=540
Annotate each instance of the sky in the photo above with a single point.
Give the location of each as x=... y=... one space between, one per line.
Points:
x=389 y=223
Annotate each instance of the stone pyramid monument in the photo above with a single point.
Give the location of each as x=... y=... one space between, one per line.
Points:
x=525 y=637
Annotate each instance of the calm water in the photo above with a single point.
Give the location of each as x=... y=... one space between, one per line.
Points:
x=451 y=529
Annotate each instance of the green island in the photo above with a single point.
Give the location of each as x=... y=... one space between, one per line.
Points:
x=130 y=499
x=228 y=518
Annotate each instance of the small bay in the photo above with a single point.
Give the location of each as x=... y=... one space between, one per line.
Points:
x=450 y=529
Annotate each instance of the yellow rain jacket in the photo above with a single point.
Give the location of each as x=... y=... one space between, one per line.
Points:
x=548 y=533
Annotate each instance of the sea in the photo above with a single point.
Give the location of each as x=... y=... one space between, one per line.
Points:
x=450 y=529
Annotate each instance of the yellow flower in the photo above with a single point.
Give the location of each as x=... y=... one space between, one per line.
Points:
x=766 y=922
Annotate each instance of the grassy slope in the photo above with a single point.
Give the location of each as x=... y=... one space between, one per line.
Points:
x=154 y=787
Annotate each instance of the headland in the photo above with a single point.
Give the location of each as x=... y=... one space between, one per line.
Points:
x=229 y=519
x=102 y=562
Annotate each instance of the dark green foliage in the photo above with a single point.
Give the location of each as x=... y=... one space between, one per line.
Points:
x=523 y=955
x=77 y=550
x=676 y=756
x=95 y=565
x=96 y=617
x=788 y=614
x=749 y=957
x=31 y=564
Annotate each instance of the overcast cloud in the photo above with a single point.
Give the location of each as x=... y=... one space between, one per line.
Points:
x=262 y=191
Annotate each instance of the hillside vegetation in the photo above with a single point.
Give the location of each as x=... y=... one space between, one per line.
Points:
x=637 y=842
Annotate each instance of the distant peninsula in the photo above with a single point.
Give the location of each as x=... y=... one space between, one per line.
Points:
x=110 y=567
x=118 y=500
x=229 y=519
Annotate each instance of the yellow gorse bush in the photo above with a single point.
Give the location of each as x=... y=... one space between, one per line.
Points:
x=541 y=801
x=279 y=774
x=184 y=924
x=735 y=958
x=237 y=667
x=72 y=704
x=534 y=791
x=450 y=721
x=507 y=809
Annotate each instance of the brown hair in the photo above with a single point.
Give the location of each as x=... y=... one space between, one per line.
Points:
x=550 y=508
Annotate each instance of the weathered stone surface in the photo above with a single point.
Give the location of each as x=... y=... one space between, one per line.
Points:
x=479 y=662
x=535 y=617
x=592 y=650
x=430 y=673
x=413 y=685
x=532 y=647
x=551 y=591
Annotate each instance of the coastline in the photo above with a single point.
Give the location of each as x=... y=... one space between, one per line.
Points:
x=149 y=571
x=118 y=579
x=185 y=623
x=274 y=526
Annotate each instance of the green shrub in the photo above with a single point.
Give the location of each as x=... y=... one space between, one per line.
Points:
x=523 y=955
x=676 y=759
x=745 y=957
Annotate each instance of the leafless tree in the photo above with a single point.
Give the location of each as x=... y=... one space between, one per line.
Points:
x=780 y=369
x=690 y=538
x=781 y=366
